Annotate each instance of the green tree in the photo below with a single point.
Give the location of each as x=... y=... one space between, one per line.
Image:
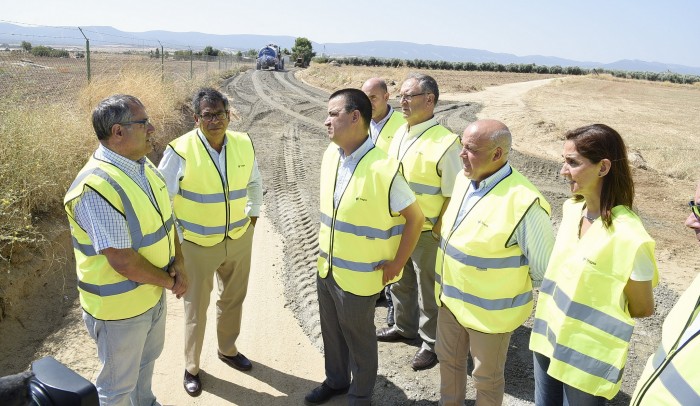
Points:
x=302 y=48
x=208 y=50
x=27 y=46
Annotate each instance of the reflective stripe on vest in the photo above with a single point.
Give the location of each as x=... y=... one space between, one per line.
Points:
x=104 y=293
x=389 y=130
x=579 y=323
x=361 y=232
x=671 y=376
x=474 y=254
x=206 y=210
x=420 y=167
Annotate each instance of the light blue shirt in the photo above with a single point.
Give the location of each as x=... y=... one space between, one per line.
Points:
x=400 y=194
x=376 y=127
x=534 y=235
x=107 y=227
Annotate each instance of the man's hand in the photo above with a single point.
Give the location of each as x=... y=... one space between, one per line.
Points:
x=177 y=272
x=391 y=270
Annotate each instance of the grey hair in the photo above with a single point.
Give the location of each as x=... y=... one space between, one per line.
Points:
x=211 y=96
x=113 y=110
x=502 y=138
x=426 y=83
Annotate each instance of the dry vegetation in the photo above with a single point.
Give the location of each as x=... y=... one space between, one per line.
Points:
x=659 y=120
x=329 y=77
x=46 y=136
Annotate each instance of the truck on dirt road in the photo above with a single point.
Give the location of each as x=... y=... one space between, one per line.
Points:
x=270 y=56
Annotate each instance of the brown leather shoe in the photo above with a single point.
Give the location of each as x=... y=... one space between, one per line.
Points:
x=238 y=361
x=389 y=334
x=193 y=386
x=424 y=359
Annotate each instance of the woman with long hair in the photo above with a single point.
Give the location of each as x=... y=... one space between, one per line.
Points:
x=600 y=276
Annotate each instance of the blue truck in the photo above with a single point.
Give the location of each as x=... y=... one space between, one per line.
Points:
x=270 y=57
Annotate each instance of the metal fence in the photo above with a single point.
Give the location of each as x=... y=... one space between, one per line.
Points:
x=32 y=70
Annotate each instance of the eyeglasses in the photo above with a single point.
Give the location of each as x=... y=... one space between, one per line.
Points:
x=408 y=97
x=221 y=116
x=145 y=122
x=695 y=209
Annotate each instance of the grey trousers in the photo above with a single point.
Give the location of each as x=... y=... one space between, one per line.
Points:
x=349 y=340
x=415 y=308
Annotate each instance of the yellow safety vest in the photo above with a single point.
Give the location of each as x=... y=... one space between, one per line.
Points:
x=672 y=375
x=389 y=130
x=485 y=283
x=420 y=164
x=361 y=232
x=208 y=208
x=105 y=293
x=579 y=323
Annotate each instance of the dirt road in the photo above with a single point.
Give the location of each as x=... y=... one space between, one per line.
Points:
x=281 y=332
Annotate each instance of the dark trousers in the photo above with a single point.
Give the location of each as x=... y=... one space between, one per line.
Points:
x=349 y=340
x=552 y=392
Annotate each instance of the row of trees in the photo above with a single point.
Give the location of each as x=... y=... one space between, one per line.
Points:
x=512 y=67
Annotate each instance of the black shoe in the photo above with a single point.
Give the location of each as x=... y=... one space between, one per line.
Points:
x=193 y=386
x=389 y=334
x=390 y=316
x=238 y=361
x=323 y=394
x=424 y=359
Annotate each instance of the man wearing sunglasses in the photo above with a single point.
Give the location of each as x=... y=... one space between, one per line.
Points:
x=671 y=376
x=126 y=251
x=213 y=179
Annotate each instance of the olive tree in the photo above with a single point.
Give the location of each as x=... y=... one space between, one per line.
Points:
x=302 y=49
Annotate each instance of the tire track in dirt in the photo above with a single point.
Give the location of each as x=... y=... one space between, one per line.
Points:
x=308 y=96
x=300 y=230
x=273 y=99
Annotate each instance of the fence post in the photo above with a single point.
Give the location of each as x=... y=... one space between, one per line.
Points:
x=190 y=63
x=162 y=62
x=87 y=53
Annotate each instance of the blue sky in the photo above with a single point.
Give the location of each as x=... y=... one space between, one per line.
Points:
x=593 y=30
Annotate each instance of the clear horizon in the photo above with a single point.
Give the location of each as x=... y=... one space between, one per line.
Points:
x=594 y=31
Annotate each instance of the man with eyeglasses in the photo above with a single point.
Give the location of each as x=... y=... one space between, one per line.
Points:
x=671 y=376
x=429 y=153
x=126 y=251
x=214 y=181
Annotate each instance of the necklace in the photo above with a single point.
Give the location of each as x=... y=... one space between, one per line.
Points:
x=589 y=218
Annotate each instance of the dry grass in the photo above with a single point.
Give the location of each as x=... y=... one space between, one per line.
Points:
x=45 y=138
x=658 y=120
x=332 y=78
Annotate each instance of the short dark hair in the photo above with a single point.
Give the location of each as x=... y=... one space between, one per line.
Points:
x=211 y=96
x=356 y=99
x=113 y=110
x=597 y=142
x=427 y=84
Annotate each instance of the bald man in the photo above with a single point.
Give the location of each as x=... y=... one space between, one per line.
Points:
x=495 y=241
x=385 y=121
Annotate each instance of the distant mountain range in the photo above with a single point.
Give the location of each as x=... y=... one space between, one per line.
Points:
x=108 y=37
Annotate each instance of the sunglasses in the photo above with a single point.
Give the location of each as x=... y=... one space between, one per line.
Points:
x=695 y=209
